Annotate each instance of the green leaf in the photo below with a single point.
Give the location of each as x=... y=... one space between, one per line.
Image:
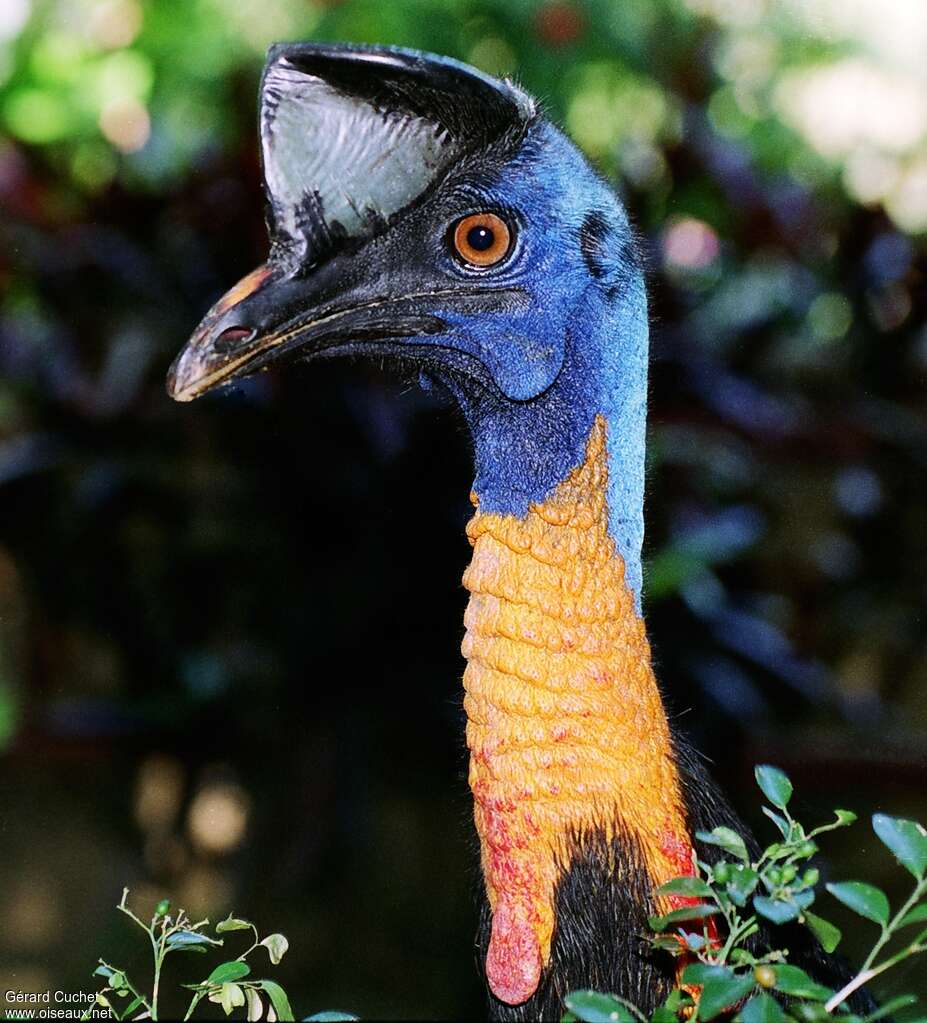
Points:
x=254 y=1004
x=232 y=924
x=667 y=943
x=845 y=816
x=697 y=912
x=890 y=1007
x=827 y=934
x=791 y=980
x=276 y=945
x=132 y=1006
x=181 y=940
x=103 y=971
x=781 y=823
x=906 y=839
x=678 y=999
x=663 y=1015
x=593 y=1007
x=762 y=1009
x=775 y=785
x=917 y=915
x=691 y=887
x=231 y=998
x=225 y=972
x=742 y=884
x=864 y=899
x=328 y=1017
x=727 y=839
x=776 y=910
x=720 y=993
x=699 y=973
x=278 y=1000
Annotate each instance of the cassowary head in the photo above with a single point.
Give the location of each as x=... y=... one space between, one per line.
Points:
x=421 y=210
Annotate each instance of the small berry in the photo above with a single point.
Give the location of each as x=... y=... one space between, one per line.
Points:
x=765 y=976
x=775 y=876
x=789 y=873
x=806 y=849
x=163 y=908
x=811 y=876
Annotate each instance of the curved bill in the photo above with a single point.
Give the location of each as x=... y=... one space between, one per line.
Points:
x=272 y=313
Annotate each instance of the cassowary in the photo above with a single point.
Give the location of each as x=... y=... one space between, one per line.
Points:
x=420 y=210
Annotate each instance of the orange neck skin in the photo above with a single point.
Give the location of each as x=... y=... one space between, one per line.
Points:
x=565 y=725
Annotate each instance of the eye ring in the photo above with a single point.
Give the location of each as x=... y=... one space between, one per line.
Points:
x=481 y=240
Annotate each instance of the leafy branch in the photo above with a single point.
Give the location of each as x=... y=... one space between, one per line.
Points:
x=722 y=973
x=229 y=984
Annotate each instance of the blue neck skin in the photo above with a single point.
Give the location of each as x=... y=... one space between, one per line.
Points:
x=523 y=450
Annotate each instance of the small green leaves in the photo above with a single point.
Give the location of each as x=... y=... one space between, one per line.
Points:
x=727 y=839
x=229 y=971
x=917 y=915
x=278 y=1000
x=906 y=839
x=181 y=941
x=762 y=1009
x=791 y=980
x=827 y=934
x=775 y=785
x=699 y=973
x=779 y=911
x=864 y=899
x=697 y=912
x=593 y=1007
x=254 y=1004
x=230 y=923
x=276 y=945
x=691 y=887
x=781 y=823
x=845 y=817
x=741 y=884
x=720 y=993
x=231 y=997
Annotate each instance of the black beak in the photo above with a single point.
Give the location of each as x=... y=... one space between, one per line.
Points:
x=273 y=313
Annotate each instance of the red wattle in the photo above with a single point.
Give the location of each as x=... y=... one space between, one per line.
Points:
x=513 y=963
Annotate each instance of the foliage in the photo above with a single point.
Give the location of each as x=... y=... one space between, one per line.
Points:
x=228 y=984
x=721 y=969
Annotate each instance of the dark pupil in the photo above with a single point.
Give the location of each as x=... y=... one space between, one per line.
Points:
x=480 y=238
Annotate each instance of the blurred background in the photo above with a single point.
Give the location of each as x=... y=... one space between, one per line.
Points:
x=229 y=632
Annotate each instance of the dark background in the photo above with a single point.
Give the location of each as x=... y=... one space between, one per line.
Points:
x=229 y=632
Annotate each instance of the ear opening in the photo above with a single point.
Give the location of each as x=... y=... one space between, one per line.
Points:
x=350 y=136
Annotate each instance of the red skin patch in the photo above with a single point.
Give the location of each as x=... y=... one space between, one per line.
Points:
x=513 y=963
x=681 y=854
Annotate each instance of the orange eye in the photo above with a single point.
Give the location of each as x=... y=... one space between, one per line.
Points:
x=482 y=239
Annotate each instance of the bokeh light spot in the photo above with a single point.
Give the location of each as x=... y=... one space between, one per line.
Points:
x=691 y=244
x=158 y=792
x=218 y=817
x=125 y=123
x=830 y=316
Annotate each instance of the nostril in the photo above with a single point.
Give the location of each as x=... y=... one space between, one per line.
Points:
x=230 y=337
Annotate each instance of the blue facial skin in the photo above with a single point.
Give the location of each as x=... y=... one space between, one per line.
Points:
x=576 y=349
